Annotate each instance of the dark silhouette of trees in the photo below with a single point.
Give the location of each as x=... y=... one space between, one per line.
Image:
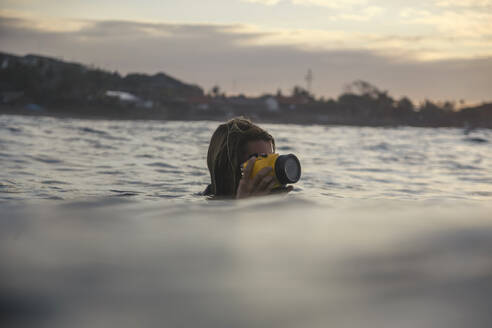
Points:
x=74 y=89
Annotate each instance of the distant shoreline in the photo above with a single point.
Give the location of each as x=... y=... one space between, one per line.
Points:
x=43 y=86
x=133 y=116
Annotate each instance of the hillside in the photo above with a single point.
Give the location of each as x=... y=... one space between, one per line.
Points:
x=50 y=82
x=37 y=85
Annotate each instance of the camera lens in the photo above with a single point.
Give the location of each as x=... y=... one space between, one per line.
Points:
x=292 y=169
x=288 y=169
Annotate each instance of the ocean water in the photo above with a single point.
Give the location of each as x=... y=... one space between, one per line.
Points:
x=66 y=159
x=102 y=225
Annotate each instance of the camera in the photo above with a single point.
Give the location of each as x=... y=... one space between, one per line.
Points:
x=285 y=168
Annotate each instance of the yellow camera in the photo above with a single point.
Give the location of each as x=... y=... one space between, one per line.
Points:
x=285 y=168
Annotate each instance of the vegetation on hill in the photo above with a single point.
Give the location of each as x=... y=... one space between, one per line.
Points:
x=46 y=86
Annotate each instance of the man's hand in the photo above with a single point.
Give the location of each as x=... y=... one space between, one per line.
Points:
x=261 y=184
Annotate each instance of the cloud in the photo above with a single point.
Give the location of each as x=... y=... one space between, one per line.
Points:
x=264 y=2
x=348 y=10
x=464 y=3
x=457 y=24
x=424 y=47
x=252 y=60
x=25 y=20
x=364 y=15
x=334 y=4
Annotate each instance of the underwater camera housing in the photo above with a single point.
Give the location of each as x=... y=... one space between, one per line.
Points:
x=286 y=168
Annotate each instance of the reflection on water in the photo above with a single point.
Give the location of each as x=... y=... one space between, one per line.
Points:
x=271 y=262
x=97 y=253
x=49 y=158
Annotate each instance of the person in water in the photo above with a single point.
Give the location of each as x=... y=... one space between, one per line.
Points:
x=233 y=143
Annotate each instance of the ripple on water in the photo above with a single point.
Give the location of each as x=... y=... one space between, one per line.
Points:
x=131 y=182
x=368 y=169
x=98 y=145
x=9 y=187
x=389 y=159
x=482 y=193
x=161 y=138
x=125 y=193
x=93 y=131
x=168 y=196
x=110 y=172
x=476 y=140
x=69 y=169
x=458 y=166
x=161 y=164
x=48 y=196
x=364 y=162
x=145 y=156
x=484 y=180
x=45 y=159
x=19 y=161
x=380 y=146
x=14 y=129
x=169 y=171
x=102 y=134
x=198 y=173
x=52 y=182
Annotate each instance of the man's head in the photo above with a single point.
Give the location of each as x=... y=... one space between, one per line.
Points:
x=231 y=145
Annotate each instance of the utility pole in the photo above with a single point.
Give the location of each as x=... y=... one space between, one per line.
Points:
x=309 y=80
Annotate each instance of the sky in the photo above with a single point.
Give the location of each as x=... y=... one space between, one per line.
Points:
x=433 y=49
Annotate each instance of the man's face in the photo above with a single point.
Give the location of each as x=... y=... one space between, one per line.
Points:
x=257 y=147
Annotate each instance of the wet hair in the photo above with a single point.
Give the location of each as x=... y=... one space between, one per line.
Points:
x=227 y=147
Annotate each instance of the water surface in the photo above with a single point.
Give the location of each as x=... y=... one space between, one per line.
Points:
x=64 y=159
x=102 y=225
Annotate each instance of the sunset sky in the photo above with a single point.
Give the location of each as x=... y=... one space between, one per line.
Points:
x=437 y=49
